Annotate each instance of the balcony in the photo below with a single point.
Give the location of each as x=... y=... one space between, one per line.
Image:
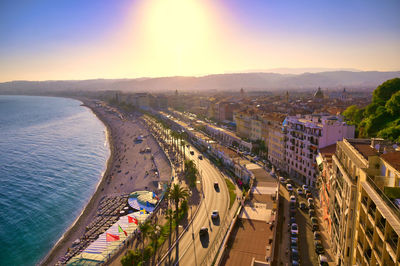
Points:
x=381 y=226
x=367 y=254
x=364 y=201
x=372 y=211
x=392 y=241
x=370 y=233
x=378 y=252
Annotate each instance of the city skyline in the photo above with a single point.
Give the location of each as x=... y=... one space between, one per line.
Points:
x=63 y=40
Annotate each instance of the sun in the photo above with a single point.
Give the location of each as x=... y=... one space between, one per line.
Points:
x=178 y=35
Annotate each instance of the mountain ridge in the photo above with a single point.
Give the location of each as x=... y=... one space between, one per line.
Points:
x=220 y=82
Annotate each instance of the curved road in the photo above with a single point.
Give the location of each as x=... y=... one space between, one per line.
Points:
x=192 y=248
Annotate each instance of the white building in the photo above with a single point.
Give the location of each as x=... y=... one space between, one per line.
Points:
x=305 y=135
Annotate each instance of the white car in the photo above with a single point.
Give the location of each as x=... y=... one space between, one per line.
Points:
x=294 y=229
x=292 y=199
x=289 y=187
x=305 y=187
x=214 y=214
x=282 y=179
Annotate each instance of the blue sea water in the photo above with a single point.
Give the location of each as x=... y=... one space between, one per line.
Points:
x=52 y=154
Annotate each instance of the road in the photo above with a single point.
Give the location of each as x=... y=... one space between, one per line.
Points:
x=193 y=249
x=306 y=236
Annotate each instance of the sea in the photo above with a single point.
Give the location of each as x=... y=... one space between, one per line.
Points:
x=53 y=152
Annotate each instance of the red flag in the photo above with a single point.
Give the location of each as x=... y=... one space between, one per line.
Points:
x=110 y=237
x=132 y=220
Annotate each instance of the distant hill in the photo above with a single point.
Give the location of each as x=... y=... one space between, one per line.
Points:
x=222 y=82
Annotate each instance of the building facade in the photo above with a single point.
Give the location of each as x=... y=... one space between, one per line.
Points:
x=364 y=188
x=305 y=135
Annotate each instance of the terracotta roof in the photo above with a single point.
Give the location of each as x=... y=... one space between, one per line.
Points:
x=328 y=150
x=393 y=158
x=365 y=149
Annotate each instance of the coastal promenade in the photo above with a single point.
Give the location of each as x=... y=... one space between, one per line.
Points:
x=128 y=170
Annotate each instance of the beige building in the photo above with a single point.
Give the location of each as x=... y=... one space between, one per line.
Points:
x=276 y=139
x=365 y=218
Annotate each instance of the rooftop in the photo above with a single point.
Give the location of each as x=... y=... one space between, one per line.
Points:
x=393 y=158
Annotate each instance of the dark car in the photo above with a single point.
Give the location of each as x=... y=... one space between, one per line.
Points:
x=314 y=222
x=303 y=206
x=216 y=186
x=317 y=236
x=203 y=231
x=292 y=220
x=293 y=244
x=200 y=157
x=311 y=212
x=294 y=257
x=191 y=152
x=319 y=248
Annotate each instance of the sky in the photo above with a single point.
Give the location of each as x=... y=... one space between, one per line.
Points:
x=71 y=39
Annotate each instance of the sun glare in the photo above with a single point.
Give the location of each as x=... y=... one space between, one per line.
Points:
x=178 y=34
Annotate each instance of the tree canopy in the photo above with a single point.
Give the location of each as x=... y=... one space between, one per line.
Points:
x=381 y=118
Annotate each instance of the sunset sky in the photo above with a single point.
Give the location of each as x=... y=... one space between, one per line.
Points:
x=71 y=39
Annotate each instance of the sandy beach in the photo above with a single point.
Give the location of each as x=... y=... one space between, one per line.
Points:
x=129 y=168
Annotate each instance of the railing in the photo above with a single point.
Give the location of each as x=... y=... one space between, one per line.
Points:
x=364 y=201
x=367 y=254
x=370 y=233
x=389 y=203
x=372 y=212
x=393 y=243
x=381 y=227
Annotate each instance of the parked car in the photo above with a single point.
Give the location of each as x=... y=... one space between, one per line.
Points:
x=310 y=203
x=289 y=187
x=282 y=180
x=200 y=157
x=311 y=212
x=292 y=220
x=294 y=257
x=293 y=244
x=323 y=261
x=203 y=231
x=314 y=222
x=308 y=195
x=214 y=214
x=294 y=229
x=319 y=248
x=292 y=199
x=317 y=235
x=191 y=152
x=305 y=187
x=299 y=191
x=289 y=181
x=303 y=206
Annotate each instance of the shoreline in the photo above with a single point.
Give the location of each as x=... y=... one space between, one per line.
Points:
x=62 y=241
x=128 y=169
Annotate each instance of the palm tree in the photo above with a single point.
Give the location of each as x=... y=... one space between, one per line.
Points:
x=169 y=216
x=144 y=228
x=183 y=143
x=177 y=194
x=154 y=232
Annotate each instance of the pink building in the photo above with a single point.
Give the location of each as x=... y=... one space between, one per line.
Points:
x=305 y=135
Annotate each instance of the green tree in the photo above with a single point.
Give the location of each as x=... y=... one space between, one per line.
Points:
x=145 y=229
x=178 y=194
x=385 y=91
x=393 y=105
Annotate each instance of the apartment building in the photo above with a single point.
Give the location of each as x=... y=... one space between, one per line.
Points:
x=275 y=139
x=305 y=135
x=324 y=161
x=243 y=123
x=364 y=188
